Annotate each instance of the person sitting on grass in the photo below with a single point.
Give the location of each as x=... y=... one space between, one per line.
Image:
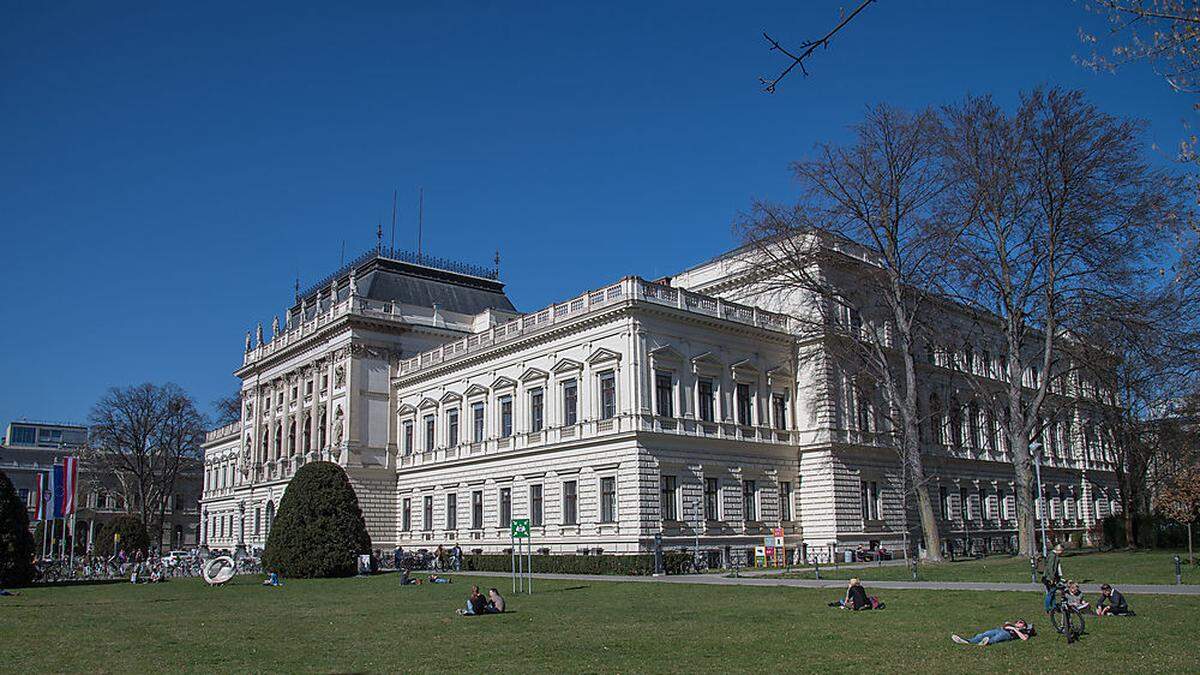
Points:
x=1018 y=629
x=1075 y=597
x=476 y=603
x=1112 y=603
x=435 y=579
x=407 y=579
x=856 y=597
x=495 y=603
x=272 y=580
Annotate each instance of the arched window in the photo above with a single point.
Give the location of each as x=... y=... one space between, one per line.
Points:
x=270 y=515
x=968 y=359
x=321 y=431
x=266 y=445
x=956 y=425
x=973 y=425
x=278 y=440
x=937 y=433
x=292 y=438
x=307 y=433
x=863 y=409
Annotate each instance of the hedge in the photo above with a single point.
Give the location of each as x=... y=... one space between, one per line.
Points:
x=16 y=544
x=1149 y=532
x=319 y=530
x=637 y=564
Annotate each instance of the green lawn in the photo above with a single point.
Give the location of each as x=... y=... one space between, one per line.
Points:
x=374 y=625
x=1137 y=567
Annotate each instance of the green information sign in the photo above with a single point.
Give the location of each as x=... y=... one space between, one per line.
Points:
x=520 y=528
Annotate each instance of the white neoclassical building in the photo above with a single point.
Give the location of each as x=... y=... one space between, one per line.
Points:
x=689 y=408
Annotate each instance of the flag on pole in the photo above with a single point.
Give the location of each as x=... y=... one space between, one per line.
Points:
x=70 y=479
x=42 y=496
x=57 y=487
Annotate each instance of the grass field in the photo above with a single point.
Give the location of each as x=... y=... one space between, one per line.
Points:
x=374 y=625
x=1137 y=567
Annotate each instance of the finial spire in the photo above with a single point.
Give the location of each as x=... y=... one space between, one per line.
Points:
x=379 y=237
x=496 y=260
x=297 y=287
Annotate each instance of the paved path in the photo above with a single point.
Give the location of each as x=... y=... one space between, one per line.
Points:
x=721 y=580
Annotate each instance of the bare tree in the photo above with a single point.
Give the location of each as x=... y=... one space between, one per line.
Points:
x=227 y=409
x=144 y=436
x=1055 y=208
x=805 y=50
x=854 y=255
x=1165 y=33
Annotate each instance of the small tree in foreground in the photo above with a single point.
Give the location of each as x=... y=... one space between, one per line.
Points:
x=16 y=544
x=134 y=537
x=1180 y=502
x=319 y=529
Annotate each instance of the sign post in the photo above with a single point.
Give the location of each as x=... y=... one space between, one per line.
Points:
x=522 y=559
x=777 y=543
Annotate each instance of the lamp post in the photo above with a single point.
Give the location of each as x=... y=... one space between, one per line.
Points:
x=1034 y=452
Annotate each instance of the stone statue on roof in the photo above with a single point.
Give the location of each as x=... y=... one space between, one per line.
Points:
x=247 y=340
x=258 y=335
x=275 y=326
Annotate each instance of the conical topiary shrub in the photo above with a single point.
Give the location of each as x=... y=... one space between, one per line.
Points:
x=134 y=537
x=319 y=529
x=16 y=543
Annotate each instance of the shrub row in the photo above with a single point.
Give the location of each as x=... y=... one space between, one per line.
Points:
x=1150 y=531
x=637 y=564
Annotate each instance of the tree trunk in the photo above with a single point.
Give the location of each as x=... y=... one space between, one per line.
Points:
x=1024 y=479
x=912 y=444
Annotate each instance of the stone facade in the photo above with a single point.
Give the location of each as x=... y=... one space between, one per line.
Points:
x=692 y=409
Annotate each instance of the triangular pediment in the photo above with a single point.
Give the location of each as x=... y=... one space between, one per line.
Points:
x=406 y=409
x=475 y=390
x=706 y=359
x=534 y=374
x=450 y=397
x=744 y=366
x=566 y=366
x=603 y=355
x=427 y=403
x=503 y=383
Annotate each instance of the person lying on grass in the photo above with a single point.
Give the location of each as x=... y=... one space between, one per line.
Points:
x=1112 y=603
x=1017 y=630
x=435 y=579
x=407 y=579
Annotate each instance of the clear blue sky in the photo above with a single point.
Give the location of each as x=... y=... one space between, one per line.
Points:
x=166 y=171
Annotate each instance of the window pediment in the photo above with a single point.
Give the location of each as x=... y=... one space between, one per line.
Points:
x=566 y=366
x=427 y=403
x=603 y=355
x=707 y=360
x=450 y=397
x=475 y=390
x=534 y=375
x=666 y=353
x=503 y=383
x=406 y=409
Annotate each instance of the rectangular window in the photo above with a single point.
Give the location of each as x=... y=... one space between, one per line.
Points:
x=24 y=435
x=408 y=438
x=742 y=393
x=785 y=500
x=406 y=515
x=869 y=493
x=608 y=499
x=944 y=501
x=570 y=497
x=749 y=500
x=452 y=512
x=707 y=401
x=608 y=395
x=570 y=392
x=535 y=505
x=663 y=388
x=712 y=499
x=779 y=404
x=477 y=510
x=427 y=513
x=477 y=422
x=537 y=409
x=506 y=420
x=964 y=504
x=505 y=507
x=452 y=427
x=23 y=494
x=430 y=432
x=667 y=498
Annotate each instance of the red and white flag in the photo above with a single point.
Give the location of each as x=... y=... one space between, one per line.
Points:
x=70 y=478
x=41 y=497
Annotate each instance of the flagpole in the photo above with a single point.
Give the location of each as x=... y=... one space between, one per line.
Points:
x=74 y=506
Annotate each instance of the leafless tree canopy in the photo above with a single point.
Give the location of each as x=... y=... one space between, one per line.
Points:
x=1164 y=32
x=865 y=213
x=227 y=409
x=805 y=50
x=144 y=436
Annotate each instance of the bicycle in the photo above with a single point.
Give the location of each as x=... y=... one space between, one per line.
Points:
x=1066 y=618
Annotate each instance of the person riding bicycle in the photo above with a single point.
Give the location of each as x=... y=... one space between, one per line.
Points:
x=1052 y=575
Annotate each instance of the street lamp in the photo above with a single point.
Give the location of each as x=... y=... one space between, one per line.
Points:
x=1034 y=449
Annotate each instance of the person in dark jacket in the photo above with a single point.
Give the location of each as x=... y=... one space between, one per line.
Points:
x=856 y=596
x=1112 y=603
x=1052 y=574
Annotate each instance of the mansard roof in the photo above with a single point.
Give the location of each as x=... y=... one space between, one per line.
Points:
x=422 y=281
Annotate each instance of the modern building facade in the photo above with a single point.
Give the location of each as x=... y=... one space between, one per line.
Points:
x=692 y=409
x=32 y=448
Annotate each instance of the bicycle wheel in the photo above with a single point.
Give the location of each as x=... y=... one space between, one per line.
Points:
x=1075 y=621
x=1058 y=620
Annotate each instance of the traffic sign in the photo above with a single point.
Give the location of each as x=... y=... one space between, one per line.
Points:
x=520 y=528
